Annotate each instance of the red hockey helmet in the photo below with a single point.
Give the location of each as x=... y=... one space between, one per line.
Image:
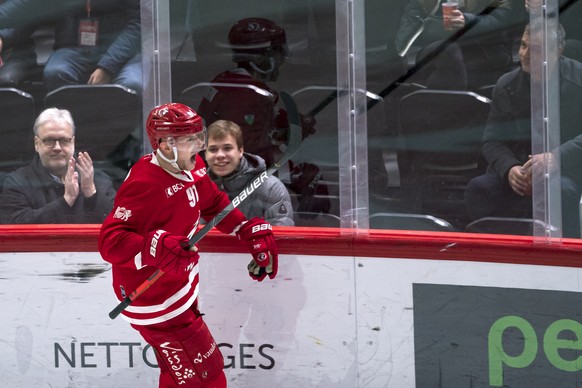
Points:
x=172 y=119
x=257 y=35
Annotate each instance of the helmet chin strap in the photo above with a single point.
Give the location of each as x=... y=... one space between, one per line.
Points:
x=267 y=74
x=172 y=162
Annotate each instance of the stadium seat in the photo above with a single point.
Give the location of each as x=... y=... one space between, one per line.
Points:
x=505 y=225
x=440 y=138
x=18 y=114
x=407 y=221
x=107 y=119
x=104 y=115
x=316 y=219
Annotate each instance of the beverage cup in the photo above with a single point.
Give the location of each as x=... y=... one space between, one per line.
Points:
x=448 y=8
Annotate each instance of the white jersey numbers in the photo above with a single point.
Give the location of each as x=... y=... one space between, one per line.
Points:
x=192 y=195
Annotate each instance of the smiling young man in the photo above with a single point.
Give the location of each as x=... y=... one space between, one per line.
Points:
x=157 y=208
x=232 y=170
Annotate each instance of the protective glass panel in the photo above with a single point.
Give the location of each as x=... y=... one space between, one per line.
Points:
x=400 y=109
x=463 y=115
x=233 y=63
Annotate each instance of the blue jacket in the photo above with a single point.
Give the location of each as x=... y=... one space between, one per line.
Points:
x=119 y=37
x=119 y=24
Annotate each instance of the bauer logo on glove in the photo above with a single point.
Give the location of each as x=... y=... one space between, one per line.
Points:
x=168 y=252
x=259 y=236
x=263 y=226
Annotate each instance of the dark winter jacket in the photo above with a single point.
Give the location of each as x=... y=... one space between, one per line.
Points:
x=30 y=195
x=507 y=136
x=270 y=200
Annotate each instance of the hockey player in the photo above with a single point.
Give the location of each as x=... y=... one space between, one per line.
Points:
x=156 y=209
x=259 y=48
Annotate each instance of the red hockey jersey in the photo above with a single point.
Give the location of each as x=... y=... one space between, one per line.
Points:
x=152 y=198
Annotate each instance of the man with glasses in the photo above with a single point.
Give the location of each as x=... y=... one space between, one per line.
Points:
x=58 y=186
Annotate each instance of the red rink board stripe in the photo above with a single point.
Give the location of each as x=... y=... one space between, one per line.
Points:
x=330 y=242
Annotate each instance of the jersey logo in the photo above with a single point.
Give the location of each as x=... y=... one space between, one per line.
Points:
x=201 y=172
x=249 y=189
x=173 y=189
x=249 y=119
x=122 y=213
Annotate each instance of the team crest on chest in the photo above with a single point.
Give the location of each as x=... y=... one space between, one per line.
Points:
x=249 y=119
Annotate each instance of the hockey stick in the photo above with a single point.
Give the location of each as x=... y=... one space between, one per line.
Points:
x=292 y=147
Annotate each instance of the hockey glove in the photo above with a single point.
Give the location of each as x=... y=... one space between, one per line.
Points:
x=166 y=252
x=307 y=125
x=259 y=236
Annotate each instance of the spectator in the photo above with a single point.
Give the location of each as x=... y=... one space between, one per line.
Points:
x=570 y=20
x=32 y=13
x=156 y=208
x=55 y=188
x=505 y=190
x=232 y=170
x=97 y=42
x=17 y=55
x=483 y=47
x=259 y=48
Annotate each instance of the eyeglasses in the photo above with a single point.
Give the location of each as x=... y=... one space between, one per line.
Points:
x=51 y=142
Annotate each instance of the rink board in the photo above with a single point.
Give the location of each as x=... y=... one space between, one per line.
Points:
x=325 y=321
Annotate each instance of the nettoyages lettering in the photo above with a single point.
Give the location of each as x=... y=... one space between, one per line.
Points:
x=123 y=354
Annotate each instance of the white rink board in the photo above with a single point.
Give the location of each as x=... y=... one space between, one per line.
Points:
x=322 y=323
